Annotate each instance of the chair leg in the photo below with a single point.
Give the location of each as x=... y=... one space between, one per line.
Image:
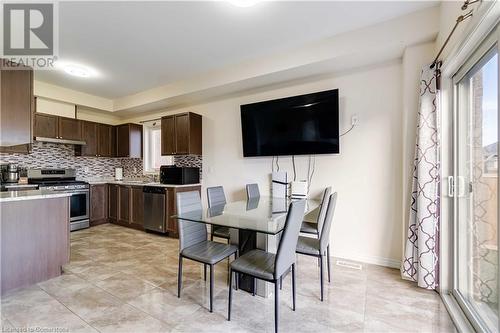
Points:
x=328 y=261
x=211 y=287
x=179 y=278
x=276 y=306
x=293 y=286
x=236 y=278
x=321 y=275
x=205 y=272
x=230 y=294
x=254 y=288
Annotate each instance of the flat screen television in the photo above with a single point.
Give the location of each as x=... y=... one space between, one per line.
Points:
x=300 y=125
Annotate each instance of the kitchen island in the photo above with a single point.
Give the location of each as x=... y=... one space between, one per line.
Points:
x=34 y=236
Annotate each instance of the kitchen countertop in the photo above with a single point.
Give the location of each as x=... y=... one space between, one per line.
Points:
x=31 y=195
x=134 y=183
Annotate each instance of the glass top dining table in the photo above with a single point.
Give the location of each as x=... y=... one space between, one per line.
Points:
x=263 y=215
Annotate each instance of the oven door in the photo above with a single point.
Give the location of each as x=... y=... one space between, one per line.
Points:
x=79 y=205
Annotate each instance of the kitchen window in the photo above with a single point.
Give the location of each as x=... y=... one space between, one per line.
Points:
x=152 y=148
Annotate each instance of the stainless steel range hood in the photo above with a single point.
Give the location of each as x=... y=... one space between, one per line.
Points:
x=64 y=141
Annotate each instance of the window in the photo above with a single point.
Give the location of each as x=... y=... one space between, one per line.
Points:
x=152 y=148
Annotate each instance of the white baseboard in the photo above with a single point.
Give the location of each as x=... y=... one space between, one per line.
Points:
x=373 y=260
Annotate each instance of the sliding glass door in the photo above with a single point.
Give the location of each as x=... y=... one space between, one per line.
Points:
x=474 y=187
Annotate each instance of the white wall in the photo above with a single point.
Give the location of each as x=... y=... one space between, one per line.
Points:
x=414 y=58
x=367 y=174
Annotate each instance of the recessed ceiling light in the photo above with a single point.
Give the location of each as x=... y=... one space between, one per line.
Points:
x=244 y=3
x=75 y=69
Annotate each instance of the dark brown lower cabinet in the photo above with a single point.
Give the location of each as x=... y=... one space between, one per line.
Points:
x=98 y=204
x=137 y=205
x=113 y=203
x=124 y=204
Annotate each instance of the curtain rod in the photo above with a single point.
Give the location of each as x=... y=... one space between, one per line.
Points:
x=459 y=20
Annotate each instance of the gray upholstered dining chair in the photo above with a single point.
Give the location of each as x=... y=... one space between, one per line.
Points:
x=216 y=197
x=270 y=267
x=309 y=227
x=317 y=247
x=314 y=228
x=253 y=191
x=193 y=243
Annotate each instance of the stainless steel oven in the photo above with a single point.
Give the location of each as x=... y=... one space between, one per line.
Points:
x=64 y=180
x=79 y=204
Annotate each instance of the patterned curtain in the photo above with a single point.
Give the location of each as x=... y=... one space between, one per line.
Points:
x=420 y=262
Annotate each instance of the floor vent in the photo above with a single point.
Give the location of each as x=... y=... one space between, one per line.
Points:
x=349 y=264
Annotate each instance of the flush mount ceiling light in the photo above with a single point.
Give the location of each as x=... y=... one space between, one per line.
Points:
x=76 y=69
x=244 y=3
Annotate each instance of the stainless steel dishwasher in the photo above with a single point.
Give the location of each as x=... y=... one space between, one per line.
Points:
x=154 y=208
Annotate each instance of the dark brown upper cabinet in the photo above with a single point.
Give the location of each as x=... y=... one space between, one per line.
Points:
x=129 y=141
x=181 y=134
x=70 y=129
x=99 y=140
x=54 y=127
x=16 y=106
x=105 y=140
x=46 y=126
x=89 y=135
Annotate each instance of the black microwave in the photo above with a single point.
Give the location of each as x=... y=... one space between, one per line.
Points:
x=179 y=175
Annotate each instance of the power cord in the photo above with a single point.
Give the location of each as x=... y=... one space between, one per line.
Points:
x=350 y=129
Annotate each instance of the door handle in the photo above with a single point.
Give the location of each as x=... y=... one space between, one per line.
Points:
x=451 y=186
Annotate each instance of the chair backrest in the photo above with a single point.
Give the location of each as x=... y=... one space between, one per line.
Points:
x=215 y=196
x=190 y=233
x=253 y=191
x=324 y=239
x=323 y=207
x=285 y=255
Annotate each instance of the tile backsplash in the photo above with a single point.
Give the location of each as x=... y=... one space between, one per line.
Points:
x=52 y=155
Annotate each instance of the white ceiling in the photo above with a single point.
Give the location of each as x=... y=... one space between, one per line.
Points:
x=136 y=46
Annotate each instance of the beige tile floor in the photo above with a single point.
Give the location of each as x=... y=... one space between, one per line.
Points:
x=122 y=280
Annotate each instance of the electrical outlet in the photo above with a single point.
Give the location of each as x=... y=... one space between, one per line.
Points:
x=354 y=119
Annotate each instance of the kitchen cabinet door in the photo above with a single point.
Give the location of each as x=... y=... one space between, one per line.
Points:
x=70 y=129
x=168 y=135
x=113 y=204
x=46 y=126
x=122 y=141
x=170 y=208
x=98 y=204
x=129 y=141
x=137 y=213
x=17 y=104
x=89 y=135
x=124 y=204
x=182 y=134
x=104 y=141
